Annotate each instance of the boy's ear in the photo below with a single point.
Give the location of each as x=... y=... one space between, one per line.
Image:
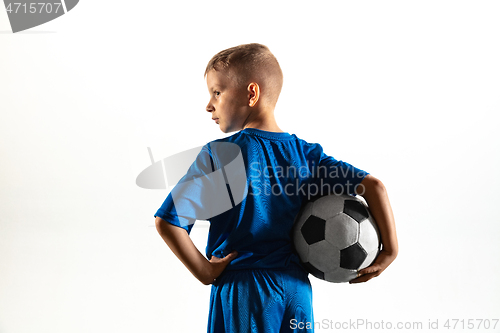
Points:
x=253 y=94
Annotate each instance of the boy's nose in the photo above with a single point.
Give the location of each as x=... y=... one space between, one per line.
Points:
x=210 y=108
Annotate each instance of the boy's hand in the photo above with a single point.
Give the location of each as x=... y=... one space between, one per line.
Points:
x=182 y=246
x=219 y=264
x=383 y=260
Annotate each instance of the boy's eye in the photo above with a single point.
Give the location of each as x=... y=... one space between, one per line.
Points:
x=217 y=93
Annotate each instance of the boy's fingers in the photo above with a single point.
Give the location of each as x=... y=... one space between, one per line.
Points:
x=231 y=256
x=364 y=278
x=367 y=273
x=368 y=270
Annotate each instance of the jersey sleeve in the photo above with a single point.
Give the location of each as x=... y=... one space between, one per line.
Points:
x=186 y=202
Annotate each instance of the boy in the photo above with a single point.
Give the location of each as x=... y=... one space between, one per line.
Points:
x=258 y=283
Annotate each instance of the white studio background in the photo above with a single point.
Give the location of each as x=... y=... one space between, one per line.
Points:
x=406 y=90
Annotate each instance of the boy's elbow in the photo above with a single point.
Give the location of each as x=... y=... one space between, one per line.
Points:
x=207 y=281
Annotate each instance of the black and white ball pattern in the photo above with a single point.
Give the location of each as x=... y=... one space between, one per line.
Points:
x=335 y=236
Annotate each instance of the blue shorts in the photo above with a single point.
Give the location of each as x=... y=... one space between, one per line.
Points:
x=264 y=301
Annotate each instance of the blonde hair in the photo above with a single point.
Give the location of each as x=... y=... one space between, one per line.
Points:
x=248 y=62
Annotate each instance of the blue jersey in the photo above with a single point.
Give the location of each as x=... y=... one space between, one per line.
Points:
x=281 y=173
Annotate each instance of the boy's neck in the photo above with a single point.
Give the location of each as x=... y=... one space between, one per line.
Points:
x=264 y=123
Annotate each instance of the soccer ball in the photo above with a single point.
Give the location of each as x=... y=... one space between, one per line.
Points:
x=335 y=236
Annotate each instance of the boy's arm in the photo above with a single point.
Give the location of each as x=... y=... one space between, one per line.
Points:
x=181 y=245
x=375 y=194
